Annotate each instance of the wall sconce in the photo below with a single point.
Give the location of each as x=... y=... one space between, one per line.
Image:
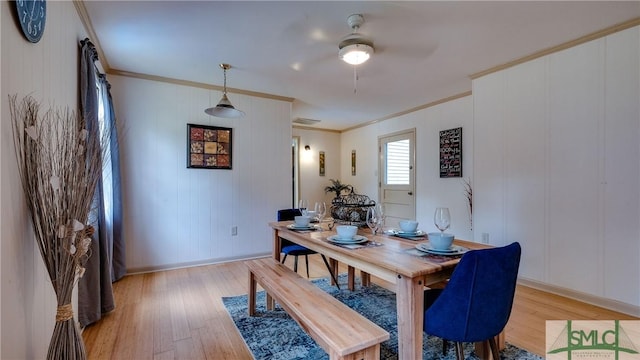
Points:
x=307 y=147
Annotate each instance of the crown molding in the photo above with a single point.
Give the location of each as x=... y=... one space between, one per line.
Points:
x=569 y=44
x=405 y=112
x=299 y=127
x=197 y=85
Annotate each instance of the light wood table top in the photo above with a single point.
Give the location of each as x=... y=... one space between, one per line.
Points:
x=392 y=261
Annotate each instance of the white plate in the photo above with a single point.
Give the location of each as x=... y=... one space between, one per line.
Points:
x=409 y=234
x=295 y=227
x=358 y=239
x=455 y=249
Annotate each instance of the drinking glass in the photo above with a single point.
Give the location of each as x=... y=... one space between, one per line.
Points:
x=373 y=219
x=321 y=210
x=303 y=205
x=381 y=215
x=442 y=219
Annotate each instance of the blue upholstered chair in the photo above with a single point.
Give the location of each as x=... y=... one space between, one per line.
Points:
x=476 y=303
x=295 y=250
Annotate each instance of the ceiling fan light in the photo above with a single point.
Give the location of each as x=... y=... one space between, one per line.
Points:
x=355 y=54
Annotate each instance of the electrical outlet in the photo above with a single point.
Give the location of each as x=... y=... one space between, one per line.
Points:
x=485 y=238
x=234 y=230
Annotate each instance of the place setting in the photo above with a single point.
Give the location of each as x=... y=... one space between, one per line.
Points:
x=441 y=243
x=408 y=230
x=309 y=220
x=347 y=236
x=303 y=223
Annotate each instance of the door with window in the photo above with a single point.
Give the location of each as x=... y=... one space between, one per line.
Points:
x=397 y=176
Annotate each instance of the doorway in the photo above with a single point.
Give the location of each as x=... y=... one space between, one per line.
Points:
x=295 y=171
x=397 y=176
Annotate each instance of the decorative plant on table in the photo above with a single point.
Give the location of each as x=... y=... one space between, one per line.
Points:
x=337 y=187
x=60 y=162
x=468 y=194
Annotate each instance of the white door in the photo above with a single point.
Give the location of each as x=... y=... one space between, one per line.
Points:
x=397 y=176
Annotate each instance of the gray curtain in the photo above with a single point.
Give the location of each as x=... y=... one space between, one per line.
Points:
x=107 y=261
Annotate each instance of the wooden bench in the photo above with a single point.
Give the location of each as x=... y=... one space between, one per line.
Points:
x=338 y=329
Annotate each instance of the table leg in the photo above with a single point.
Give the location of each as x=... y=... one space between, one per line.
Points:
x=351 y=273
x=252 y=294
x=277 y=245
x=410 y=298
x=365 y=278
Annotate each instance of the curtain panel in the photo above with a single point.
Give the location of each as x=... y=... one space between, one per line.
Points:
x=107 y=261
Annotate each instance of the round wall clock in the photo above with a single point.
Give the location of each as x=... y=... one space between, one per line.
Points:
x=32 y=15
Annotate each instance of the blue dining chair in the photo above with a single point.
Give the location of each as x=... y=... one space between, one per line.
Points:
x=295 y=250
x=475 y=305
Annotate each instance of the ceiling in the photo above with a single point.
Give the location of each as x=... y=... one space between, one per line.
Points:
x=425 y=50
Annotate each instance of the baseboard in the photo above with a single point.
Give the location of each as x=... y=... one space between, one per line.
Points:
x=610 y=304
x=148 y=269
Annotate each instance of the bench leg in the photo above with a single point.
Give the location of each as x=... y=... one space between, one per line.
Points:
x=252 y=294
x=271 y=304
x=369 y=353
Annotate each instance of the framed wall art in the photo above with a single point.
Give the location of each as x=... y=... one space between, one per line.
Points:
x=321 y=162
x=209 y=147
x=451 y=153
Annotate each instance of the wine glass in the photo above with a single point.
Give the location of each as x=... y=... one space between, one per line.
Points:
x=373 y=219
x=381 y=215
x=303 y=205
x=442 y=219
x=321 y=210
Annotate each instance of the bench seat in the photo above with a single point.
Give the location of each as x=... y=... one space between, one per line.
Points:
x=338 y=329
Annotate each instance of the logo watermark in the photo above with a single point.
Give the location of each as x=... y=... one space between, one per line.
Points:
x=593 y=339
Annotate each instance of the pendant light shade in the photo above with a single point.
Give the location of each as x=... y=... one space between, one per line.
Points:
x=224 y=108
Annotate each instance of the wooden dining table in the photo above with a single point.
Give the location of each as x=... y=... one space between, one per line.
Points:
x=389 y=258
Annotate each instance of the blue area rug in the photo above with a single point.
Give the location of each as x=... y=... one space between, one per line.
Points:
x=274 y=335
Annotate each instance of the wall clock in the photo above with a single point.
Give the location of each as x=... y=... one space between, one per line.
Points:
x=32 y=15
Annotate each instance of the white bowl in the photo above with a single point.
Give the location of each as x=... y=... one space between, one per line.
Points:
x=346 y=231
x=302 y=221
x=408 y=226
x=440 y=241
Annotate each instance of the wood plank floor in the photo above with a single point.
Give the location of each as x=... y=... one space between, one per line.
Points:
x=178 y=314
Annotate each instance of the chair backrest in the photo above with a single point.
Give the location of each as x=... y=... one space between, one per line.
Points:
x=476 y=303
x=288 y=214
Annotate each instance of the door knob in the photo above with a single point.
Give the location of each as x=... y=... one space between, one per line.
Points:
x=410 y=193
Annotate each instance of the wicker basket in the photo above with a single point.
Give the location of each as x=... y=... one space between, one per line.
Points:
x=351 y=209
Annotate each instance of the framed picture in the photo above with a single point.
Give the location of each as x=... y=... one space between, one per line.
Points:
x=209 y=147
x=451 y=153
x=353 y=163
x=321 y=162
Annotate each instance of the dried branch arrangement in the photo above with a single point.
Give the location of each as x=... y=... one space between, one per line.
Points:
x=468 y=194
x=59 y=159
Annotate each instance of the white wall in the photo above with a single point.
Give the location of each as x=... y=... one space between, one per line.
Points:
x=431 y=190
x=47 y=70
x=557 y=165
x=311 y=183
x=177 y=216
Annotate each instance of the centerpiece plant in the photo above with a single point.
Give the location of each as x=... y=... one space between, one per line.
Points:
x=337 y=188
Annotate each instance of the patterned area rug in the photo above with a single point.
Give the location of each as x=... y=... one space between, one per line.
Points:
x=274 y=335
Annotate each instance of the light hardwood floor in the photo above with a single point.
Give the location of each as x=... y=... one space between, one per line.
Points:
x=178 y=314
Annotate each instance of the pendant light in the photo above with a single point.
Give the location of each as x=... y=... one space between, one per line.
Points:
x=224 y=108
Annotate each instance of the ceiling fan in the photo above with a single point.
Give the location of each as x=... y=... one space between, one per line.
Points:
x=355 y=48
